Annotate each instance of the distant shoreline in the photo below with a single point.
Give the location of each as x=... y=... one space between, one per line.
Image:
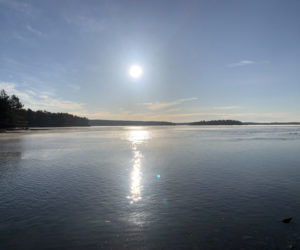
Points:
x=199 y=123
x=132 y=123
x=15 y=118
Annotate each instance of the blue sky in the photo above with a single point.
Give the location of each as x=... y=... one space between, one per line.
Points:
x=201 y=59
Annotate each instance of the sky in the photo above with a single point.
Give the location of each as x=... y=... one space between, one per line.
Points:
x=201 y=60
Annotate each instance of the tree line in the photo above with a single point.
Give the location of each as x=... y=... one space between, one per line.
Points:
x=13 y=114
x=128 y=123
x=217 y=122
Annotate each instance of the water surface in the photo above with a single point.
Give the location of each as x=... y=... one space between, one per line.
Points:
x=174 y=187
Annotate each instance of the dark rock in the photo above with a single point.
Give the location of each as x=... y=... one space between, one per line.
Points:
x=287 y=220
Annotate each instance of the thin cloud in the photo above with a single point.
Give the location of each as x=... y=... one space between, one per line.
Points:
x=74 y=87
x=150 y=116
x=35 y=31
x=40 y=100
x=163 y=105
x=19 y=6
x=86 y=23
x=147 y=116
x=160 y=105
x=262 y=117
x=241 y=63
x=245 y=63
x=190 y=117
x=188 y=99
x=227 y=107
x=174 y=110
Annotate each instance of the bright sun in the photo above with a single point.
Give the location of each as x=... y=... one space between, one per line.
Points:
x=135 y=71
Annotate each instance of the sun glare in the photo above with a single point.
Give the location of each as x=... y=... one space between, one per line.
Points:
x=135 y=71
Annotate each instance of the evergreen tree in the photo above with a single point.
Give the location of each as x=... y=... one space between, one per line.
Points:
x=13 y=115
x=11 y=112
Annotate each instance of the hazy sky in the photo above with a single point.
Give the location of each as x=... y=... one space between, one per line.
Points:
x=204 y=59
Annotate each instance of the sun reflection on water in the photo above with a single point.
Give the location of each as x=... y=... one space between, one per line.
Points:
x=136 y=136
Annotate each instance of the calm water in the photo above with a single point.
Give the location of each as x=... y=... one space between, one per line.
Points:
x=151 y=188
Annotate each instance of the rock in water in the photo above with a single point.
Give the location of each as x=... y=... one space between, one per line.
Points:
x=287 y=220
